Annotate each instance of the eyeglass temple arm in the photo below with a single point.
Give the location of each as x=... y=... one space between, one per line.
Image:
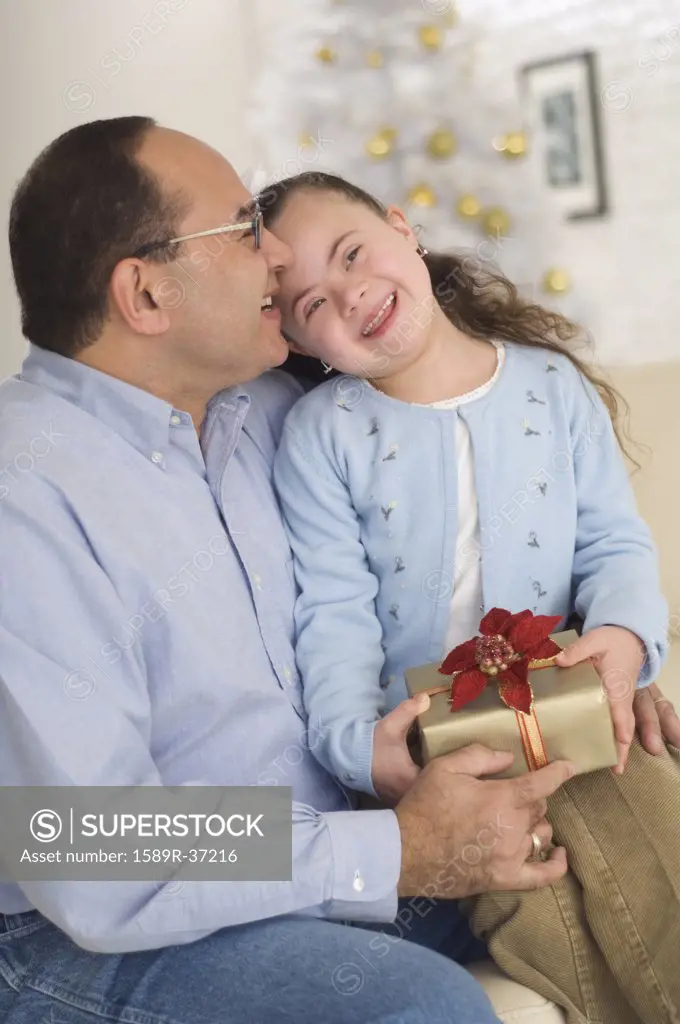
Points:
x=213 y=231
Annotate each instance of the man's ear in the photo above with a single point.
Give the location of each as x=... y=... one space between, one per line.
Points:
x=142 y=301
x=397 y=219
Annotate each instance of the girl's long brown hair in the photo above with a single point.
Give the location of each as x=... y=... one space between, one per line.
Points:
x=476 y=297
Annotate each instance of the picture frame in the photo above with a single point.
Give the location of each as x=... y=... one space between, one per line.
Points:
x=562 y=102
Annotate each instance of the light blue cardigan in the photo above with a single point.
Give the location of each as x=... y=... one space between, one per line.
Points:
x=368 y=486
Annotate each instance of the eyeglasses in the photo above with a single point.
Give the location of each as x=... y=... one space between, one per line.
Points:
x=254 y=225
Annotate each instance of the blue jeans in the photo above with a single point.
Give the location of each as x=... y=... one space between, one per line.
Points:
x=297 y=970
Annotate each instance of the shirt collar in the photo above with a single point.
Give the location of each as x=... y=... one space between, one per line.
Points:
x=142 y=419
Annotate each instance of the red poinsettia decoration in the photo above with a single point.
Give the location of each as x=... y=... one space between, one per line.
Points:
x=508 y=643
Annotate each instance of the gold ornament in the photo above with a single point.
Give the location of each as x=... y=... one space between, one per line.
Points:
x=382 y=143
x=326 y=54
x=422 y=195
x=468 y=207
x=512 y=145
x=556 y=281
x=306 y=139
x=442 y=144
x=431 y=37
x=495 y=220
x=374 y=59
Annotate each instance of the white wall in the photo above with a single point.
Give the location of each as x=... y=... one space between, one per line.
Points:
x=63 y=62
x=630 y=263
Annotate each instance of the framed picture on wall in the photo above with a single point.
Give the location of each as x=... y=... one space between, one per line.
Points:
x=562 y=104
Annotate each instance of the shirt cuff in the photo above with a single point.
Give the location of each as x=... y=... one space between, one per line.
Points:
x=366 y=850
x=655 y=656
x=359 y=758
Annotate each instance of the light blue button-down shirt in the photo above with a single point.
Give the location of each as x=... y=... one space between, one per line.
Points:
x=146 y=638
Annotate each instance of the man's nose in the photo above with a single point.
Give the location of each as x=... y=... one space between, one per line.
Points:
x=278 y=255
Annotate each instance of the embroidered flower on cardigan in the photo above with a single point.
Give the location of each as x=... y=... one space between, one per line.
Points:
x=531 y=397
x=528 y=429
x=533 y=540
x=387 y=510
x=392 y=454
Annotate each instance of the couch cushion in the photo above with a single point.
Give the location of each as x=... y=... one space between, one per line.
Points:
x=669 y=679
x=652 y=392
x=514 y=1003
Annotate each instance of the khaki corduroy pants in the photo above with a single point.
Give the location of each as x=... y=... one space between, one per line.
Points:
x=604 y=943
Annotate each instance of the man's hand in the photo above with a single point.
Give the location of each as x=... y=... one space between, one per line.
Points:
x=617 y=656
x=392 y=768
x=656 y=719
x=462 y=834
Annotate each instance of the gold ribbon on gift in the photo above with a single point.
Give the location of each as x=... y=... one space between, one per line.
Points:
x=529 y=727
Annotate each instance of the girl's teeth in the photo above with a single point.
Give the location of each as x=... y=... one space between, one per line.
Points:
x=377 y=319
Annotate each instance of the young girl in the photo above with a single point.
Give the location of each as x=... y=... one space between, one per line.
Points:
x=465 y=459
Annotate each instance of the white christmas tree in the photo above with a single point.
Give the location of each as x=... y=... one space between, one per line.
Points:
x=385 y=93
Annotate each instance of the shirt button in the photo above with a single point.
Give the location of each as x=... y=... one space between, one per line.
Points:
x=358 y=883
x=157 y=457
x=175 y=420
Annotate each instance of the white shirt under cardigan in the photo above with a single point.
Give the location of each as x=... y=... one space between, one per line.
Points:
x=467 y=598
x=369 y=489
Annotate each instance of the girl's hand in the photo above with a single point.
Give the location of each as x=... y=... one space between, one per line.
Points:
x=657 y=721
x=618 y=656
x=393 y=770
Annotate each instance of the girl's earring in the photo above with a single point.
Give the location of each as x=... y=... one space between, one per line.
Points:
x=421 y=250
x=327 y=368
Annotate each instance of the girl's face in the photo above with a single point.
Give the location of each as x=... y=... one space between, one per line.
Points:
x=358 y=295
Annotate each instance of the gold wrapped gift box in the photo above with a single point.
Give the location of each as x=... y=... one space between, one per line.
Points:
x=570 y=705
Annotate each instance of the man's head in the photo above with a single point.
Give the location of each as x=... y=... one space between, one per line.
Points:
x=95 y=286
